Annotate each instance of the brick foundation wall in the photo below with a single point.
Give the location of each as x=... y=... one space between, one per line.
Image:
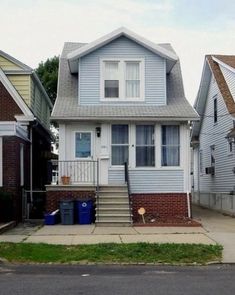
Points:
x=165 y=205
x=53 y=198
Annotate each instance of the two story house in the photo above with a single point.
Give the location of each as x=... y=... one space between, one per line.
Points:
x=124 y=126
x=213 y=137
x=25 y=138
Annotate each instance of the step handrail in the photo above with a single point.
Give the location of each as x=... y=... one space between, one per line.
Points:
x=127 y=180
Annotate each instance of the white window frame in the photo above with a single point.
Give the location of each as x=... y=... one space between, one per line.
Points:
x=122 y=79
x=1 y=162
x=154 y=145
x=74 y=145
x=180 y=142
x=124 y=144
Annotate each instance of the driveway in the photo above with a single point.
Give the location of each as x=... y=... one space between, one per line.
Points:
x=220 y=228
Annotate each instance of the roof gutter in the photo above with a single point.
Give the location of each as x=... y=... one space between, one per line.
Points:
x=152 y=119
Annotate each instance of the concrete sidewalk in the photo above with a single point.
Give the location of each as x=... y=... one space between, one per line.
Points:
x=89 y=234
x=219 y=228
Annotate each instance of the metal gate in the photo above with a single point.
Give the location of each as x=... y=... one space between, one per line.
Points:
x=33 y=204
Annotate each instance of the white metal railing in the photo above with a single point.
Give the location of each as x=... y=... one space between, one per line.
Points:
x=74 y=172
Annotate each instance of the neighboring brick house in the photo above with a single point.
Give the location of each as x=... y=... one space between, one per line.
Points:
x=25 y=139
x=121 y=100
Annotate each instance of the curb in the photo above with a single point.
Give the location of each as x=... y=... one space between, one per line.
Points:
x=7 y=226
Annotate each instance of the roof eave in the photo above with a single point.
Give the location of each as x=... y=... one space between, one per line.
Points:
x=133 y=118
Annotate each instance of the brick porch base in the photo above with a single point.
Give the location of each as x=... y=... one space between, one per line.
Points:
x=165 y=205
x=54 y=197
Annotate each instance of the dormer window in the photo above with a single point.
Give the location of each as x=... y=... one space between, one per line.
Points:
x=122 y=79
x=111 y=79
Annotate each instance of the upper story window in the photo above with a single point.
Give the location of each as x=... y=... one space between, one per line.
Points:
x=215 y=110
x=122 y=79
x=111 y=79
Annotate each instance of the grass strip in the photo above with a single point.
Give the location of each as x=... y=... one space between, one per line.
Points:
x=111 y=253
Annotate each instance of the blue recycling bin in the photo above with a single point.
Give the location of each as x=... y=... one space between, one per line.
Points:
x=51 y=219
x=85 y=209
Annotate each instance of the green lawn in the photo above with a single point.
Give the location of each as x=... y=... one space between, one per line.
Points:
x=111 y=253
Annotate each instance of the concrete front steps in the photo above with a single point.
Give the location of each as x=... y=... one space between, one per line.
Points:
x=112 y=207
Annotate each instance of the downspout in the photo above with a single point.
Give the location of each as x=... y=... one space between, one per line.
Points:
x=189 y=206
x=31 y=163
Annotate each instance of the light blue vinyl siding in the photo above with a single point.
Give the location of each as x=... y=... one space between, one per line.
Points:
x=89 y=67
x=214 y=134
x=150 y=181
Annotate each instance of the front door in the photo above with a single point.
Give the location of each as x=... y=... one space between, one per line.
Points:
x=84 y=171
x=83 y=145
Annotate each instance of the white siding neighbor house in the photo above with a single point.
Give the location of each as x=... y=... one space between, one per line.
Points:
x=121 y=100
x=213 y=137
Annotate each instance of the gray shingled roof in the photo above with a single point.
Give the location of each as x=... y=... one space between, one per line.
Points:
x=67 y=108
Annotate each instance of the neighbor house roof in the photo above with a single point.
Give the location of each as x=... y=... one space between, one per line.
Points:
x=24 y=69
x=73 y=56
x=212 y=67
x=67 y=107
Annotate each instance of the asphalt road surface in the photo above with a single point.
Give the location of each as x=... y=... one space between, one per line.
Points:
x=69 y=280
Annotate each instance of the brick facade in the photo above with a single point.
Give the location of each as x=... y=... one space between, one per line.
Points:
x=53 y=197
x=165 y=205
x=11 y=170
x=8 y=107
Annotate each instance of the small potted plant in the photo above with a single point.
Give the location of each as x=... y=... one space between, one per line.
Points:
x=65 y=180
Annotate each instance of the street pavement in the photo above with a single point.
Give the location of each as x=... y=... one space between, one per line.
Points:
x=114 y=280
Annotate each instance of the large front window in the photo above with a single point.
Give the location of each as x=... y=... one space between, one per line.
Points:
x=145 y=150
x=120 y=144
x=170 y=145
x=122 y=79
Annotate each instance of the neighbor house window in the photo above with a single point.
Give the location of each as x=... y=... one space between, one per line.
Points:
x=83 y=144
x=120 y=144
x=145 y=149
x=200 y=162
x=215 y=110
x=212 y=156
x=230 y=146
x=111 y=79
x=122 y=79
x=170 y=145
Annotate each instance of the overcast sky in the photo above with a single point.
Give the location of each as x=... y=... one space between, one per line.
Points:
x=33 y=30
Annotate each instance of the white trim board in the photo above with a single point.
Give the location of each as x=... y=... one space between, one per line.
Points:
x=223 y=64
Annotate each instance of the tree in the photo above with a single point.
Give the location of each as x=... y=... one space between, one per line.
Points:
x=48 y=74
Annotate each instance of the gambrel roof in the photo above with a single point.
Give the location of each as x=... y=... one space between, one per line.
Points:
x=67 y=107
